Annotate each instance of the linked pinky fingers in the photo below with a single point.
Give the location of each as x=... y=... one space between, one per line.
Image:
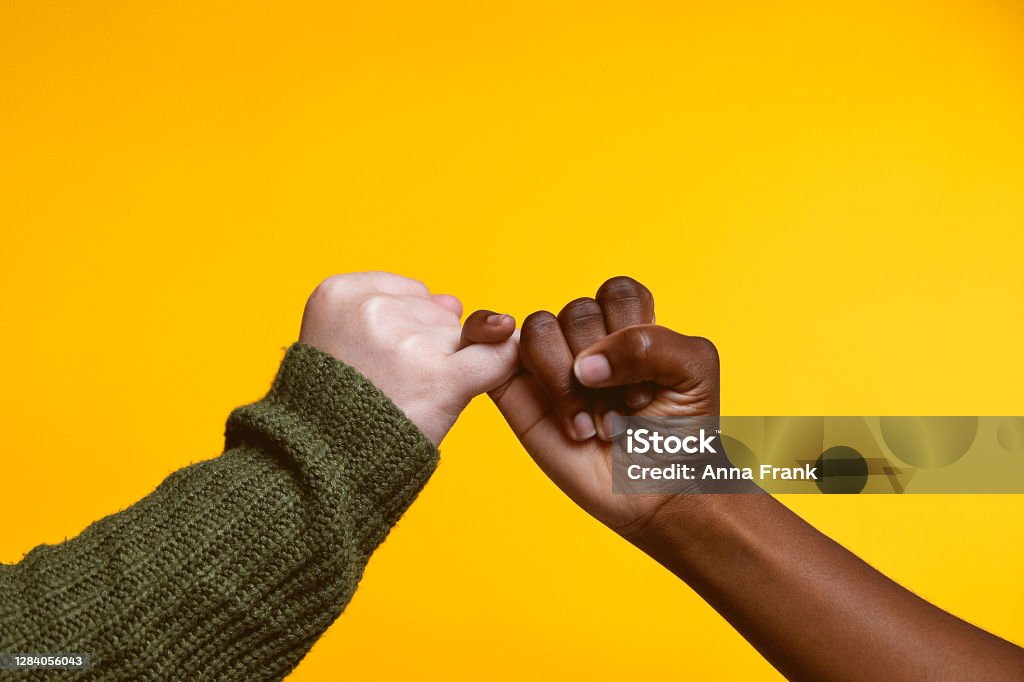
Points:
x=487 y=326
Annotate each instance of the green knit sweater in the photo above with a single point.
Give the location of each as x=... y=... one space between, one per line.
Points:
x=233 y=567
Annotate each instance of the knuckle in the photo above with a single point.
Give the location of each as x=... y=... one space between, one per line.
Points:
x=374 y=308
x=579 y=312
x=327 y=297
x=390 y=281
x=623 y=287
x=538 y=325
x=330 y=288
x=410 y=345
x=415 y=285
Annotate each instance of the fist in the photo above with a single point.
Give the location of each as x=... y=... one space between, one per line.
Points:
x=598 y=358
x=410 y=344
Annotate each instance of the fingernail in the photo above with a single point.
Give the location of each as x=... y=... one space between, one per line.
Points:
x=584 y=426
x=496 y=319
x=611 y=424
x=639 y=398
x=593 y=369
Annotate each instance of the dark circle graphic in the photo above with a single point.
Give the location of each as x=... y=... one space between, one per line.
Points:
x=1011 y=435
x=739 y=454
x=841 y=471
x=929 y=442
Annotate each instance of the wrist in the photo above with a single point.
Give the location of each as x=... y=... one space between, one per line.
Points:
x=353 y=450
x=689 y=527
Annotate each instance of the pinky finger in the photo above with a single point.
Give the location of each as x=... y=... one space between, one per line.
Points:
x=486 y=326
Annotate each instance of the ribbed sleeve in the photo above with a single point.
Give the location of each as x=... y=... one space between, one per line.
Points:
x=233 y=567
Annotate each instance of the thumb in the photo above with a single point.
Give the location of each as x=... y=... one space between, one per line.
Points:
x=646 y=353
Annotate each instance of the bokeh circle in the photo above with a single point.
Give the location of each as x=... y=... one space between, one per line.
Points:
x=929 y=442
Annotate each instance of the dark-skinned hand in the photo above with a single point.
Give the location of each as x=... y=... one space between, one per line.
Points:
x=600 y=357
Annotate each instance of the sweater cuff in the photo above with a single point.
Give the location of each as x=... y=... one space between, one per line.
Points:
x=345 y=442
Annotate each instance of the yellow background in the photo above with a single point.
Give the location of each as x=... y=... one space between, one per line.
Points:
x=833 y=192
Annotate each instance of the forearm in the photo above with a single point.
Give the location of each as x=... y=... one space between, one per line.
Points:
x=233 y=567
x=812 y=608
